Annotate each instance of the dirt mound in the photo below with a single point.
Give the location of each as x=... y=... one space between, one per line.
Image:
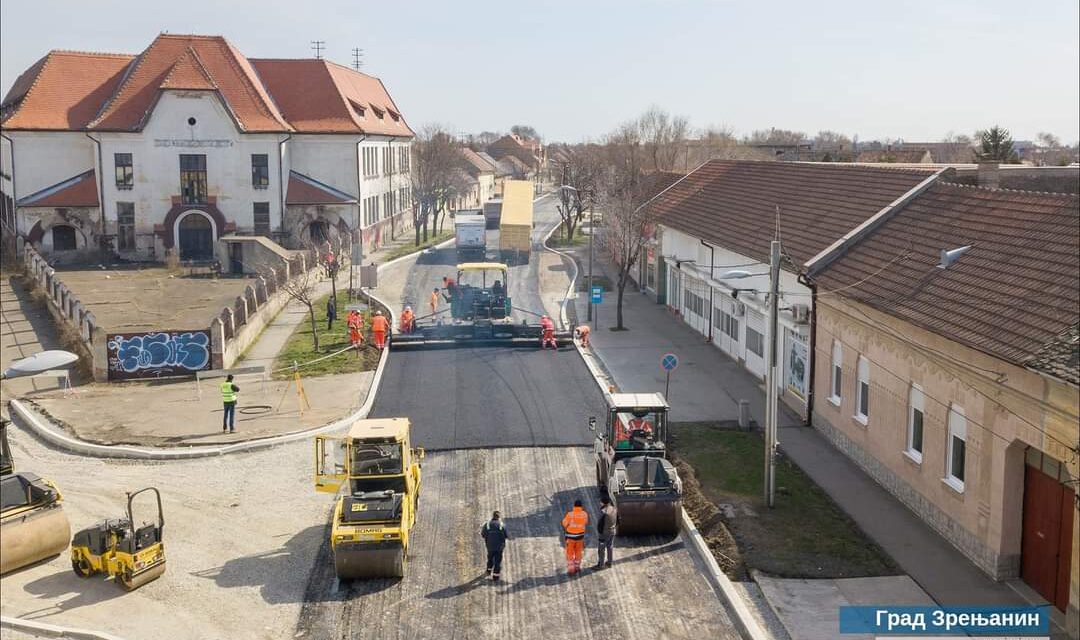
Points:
x=710 y=523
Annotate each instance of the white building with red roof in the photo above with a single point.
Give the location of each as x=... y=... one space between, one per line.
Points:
x=188 y=142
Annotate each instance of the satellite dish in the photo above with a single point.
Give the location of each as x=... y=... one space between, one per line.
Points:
x=39 y=362
x=948 y=257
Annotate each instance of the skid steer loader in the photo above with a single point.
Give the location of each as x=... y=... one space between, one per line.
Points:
x=632 y=465
x=377 y=473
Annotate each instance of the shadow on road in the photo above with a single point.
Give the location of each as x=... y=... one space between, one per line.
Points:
x=459 y=589
x=83 y=592
x=532 y=582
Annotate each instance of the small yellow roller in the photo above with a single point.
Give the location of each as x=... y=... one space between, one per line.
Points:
x=132 y=555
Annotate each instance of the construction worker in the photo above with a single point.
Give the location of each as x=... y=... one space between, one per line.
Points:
x=450 y=286
x=495 y=536
x=407 y=320
x=497 y=289
x=229 y=393
x=547 y=335
x=606 y=529
x=379 y=328
x=356 y=330
x=574 y=524
x=331 y=312
x=582 y=333
x=434 y=301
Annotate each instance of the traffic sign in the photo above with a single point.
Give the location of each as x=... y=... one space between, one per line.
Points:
x=669 y=362
x=597 y=294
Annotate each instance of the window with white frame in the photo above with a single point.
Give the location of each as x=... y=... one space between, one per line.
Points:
x=755 y=341
x=916 y=415
x=837 y=379
x=862 y=391
x=956 y=460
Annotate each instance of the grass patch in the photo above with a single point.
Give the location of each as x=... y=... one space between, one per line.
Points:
x=300 y=346
x=406 y=249
x=806 y=535
x=559 y=241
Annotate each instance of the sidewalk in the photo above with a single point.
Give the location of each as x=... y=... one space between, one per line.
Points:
x=707 y=386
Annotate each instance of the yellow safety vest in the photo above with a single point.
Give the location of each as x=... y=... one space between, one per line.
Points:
x=227 y=393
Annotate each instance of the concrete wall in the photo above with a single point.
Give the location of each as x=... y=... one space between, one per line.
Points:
x=44 y=158
x=1006 y=407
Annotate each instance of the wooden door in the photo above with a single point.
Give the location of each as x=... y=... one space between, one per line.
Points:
x=1046 y=546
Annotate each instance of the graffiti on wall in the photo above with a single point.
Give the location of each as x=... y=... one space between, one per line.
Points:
x=158 y=354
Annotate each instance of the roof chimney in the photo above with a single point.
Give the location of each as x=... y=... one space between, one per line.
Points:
x=989 y=174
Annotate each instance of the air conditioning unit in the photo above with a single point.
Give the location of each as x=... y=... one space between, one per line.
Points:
x=801 y=313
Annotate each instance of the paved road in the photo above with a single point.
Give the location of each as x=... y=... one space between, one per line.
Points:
x=490 y=396
x=653 y=590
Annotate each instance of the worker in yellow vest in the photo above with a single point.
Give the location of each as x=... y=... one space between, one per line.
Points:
x=574 y=524
x=229 y=392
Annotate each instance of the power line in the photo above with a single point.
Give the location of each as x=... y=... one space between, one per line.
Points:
x=317 y=46
x=826 y=357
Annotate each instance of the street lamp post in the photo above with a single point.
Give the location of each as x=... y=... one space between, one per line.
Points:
x=771 y=395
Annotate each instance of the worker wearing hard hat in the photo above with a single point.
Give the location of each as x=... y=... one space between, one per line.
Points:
x=407 y=320
x=379 y=328
x=574 y=524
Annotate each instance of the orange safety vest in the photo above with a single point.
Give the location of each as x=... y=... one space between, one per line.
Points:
x=574 y=523
x=406 y=319
x=379 y=324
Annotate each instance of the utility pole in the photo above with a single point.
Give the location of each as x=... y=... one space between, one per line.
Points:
x=592 y=234
x=357 y=58
x=318 y=46
x=770 y=376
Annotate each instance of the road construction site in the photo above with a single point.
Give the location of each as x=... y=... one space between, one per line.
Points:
x=247 y=536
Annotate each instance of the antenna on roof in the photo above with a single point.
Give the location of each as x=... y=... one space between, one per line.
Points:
x=318 y=46
x=357 y=58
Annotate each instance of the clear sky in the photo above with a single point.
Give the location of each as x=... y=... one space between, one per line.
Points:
x=916 y=69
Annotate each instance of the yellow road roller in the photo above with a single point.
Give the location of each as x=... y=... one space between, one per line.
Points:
x=33 y=525
x=132 y=555
x=377 y=473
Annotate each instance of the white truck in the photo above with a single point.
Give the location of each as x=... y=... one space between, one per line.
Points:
x=470 y=231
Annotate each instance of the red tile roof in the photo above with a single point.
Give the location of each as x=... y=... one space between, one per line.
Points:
x=188 y=73
x=1014 y=292
x=63 y=91
x=732 y=204
x=475 y=164
x=307 y=190
x=110 y=92
x=79 y=191
x=319 y=96
x=232 y=75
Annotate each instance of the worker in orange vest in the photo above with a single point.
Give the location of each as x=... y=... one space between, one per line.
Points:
x=407 y=320
x=583 y=333
x=434 y=301
x=574 y=524
x=547 y=333
x=379 y=328
x=355 y=323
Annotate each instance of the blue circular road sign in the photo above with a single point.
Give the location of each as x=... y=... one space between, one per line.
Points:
x=669 y=362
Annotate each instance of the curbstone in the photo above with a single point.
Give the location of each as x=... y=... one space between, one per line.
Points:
x=53 y=630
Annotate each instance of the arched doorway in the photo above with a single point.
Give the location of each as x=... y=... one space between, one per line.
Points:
x=318 y=232
x=196 y=237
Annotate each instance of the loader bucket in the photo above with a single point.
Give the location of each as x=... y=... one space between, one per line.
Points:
x=641 y=515
x=358 y=560
x=132 y=581
x=33 y=535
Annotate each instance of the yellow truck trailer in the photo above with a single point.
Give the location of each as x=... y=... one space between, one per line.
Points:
x=515 y=223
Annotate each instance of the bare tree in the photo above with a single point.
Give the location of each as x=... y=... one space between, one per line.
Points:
x=524 y=131
x=663 y=136
x=437 y=178
x=776 y=136
x=1048 y=140
x=831 y=141
x=303 y=288
x=580 y=172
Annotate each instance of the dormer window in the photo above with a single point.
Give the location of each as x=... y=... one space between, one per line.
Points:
x=379 y=113
x=394 y=116
x=358 y=108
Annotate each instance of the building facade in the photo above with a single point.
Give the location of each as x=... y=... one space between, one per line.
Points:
x=953 y=381
x=170 y=150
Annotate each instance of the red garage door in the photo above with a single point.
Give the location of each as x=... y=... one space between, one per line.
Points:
x=1046 y=547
